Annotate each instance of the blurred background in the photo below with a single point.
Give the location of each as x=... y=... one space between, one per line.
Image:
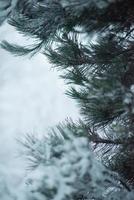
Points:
x=32 y=99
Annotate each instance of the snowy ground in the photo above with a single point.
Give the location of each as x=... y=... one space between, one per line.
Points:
x=31 y=100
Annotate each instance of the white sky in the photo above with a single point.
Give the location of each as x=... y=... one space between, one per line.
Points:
x=31 y=100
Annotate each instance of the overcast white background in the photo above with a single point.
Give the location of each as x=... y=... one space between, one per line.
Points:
x=31 y=100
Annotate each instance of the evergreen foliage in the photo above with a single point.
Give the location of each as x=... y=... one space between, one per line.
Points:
x=65 y=168
x=92 y=43
x=6 y=8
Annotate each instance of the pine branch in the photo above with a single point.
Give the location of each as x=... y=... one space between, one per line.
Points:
x=18 y=50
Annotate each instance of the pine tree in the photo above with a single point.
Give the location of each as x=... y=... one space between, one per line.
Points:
x=6 y=9
x=91 y=42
